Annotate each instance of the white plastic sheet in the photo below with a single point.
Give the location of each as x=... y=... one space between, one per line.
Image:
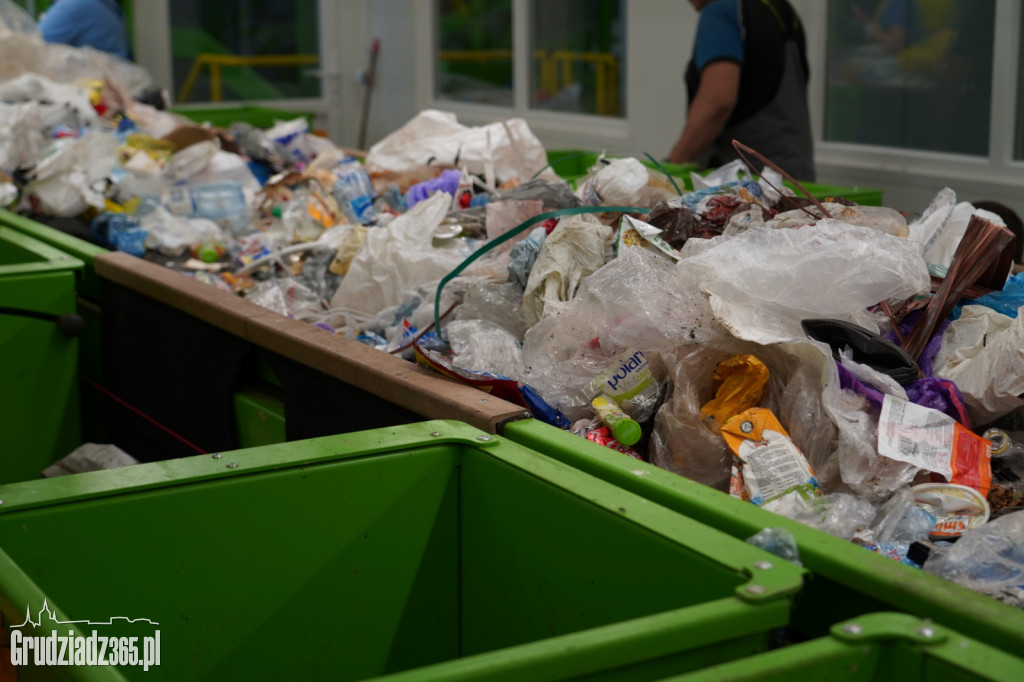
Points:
x=398 y=257
x=982 y=352
x=763 y=282
x=503 y=150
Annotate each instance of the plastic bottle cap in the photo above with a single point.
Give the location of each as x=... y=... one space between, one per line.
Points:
x=626 y=431
x=276 y=211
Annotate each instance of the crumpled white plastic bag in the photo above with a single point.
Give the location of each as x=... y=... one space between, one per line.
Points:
x=573 y=250
x=483 y=346
x=21 y=138
x=502 y=150
x=943 y=224
x=763 y=282
x=66 y=178
x=398 y=257
x=982 y=353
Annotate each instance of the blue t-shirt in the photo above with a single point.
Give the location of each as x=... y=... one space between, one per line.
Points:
x=719 y=34
x=98 y=24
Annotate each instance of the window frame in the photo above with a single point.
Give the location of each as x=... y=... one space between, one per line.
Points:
x=554 y=123
x=997 y=167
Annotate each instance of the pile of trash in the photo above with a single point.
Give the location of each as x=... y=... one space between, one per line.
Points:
x=833 y=363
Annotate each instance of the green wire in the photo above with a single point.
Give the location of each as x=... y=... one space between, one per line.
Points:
x=518 y=229
x=662 y=169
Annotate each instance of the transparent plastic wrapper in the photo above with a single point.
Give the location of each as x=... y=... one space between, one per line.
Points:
x=398 y=257
x=779 y=542
x=901 y=521
x=881 y=218
x=843 y=515
x=683 y=442
x=626 y=304
x=288 y=297
x=500 y=151
x=989 y=559
x=71 y=175
x=173 y=235
x=982 y=352
x=505 y=215
x=622 y=182
x=14 y=18
x=481 y=346
x=829 y=270
x=573 y=250
x=22 y=53
x=500 y=303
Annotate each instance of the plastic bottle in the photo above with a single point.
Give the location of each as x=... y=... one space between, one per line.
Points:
x=1007 y=456
x=354 y=192
x=214 y=200
x=626 y=430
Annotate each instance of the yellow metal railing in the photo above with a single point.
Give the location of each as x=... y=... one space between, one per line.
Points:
x=556 y=69
x=216 y=61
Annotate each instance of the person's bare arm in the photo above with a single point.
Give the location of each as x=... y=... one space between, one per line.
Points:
x=711 y=107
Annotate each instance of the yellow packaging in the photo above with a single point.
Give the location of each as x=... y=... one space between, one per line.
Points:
x=739 y=384
x=768 y=468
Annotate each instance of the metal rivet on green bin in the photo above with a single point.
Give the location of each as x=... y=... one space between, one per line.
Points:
x=435 y=434
x=926 y=632
x=763 y=565
x=853 y=629
x=232 y=465
x=483 y=438
x=755 y=589
x=217 y=456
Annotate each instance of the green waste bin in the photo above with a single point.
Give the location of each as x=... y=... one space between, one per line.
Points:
x=874 y=648
x=431 y=551
x=38 y=356
x=572 y=164
x=260 y=117
x=845 y=581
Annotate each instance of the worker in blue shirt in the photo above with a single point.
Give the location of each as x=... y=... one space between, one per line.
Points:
x=747 y=80
x=99 y=24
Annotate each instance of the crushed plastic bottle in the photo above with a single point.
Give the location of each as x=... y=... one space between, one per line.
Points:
x=354 y=192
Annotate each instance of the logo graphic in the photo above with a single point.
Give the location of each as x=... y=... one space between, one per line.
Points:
x=76 y=649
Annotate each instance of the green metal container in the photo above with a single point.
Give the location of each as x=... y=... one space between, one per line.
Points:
x=430 y=551
x=572 y=164
x=260 y=117
x=846 y=580
x=38 y=361
x=876 y=647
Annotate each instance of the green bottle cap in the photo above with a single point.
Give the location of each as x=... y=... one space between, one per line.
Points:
x=626 y=431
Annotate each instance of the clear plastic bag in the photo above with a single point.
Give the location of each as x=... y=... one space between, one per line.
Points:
x=685 y=443
x=829 y=270
x=482 y=346
x=988 y=559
